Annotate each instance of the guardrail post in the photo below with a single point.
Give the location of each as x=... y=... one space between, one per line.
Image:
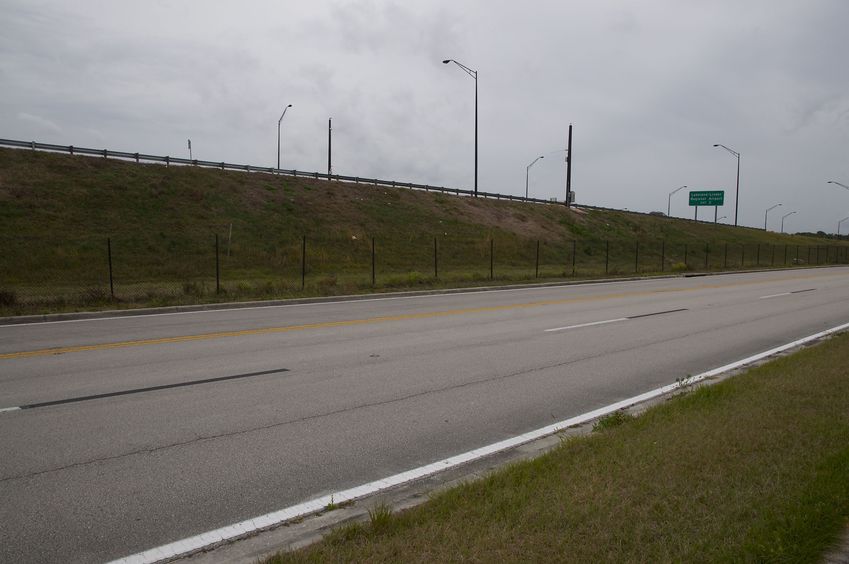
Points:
x=71 y=149
x=536 y=270
x=109 y=254
x=167 y=161
x=372 y=262
x=303 y=262
x=217 y=268
x=105 y=156
x=136 y=155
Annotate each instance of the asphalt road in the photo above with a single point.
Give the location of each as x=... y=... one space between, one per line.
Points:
x=236 y=413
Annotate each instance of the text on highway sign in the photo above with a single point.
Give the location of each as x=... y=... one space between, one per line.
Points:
x=707 y=198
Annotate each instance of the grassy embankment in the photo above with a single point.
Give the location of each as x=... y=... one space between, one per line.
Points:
x=753 y=469
x=57 y=212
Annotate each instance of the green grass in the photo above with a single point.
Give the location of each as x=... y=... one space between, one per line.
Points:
x=753 y=469
x=58 y=212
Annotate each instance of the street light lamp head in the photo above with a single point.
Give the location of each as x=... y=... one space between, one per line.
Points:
x=446 y=61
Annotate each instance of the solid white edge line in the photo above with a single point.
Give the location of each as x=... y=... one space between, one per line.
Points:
x=774 y=295
x=2 y=409
x=269 y=520
x=587 y=324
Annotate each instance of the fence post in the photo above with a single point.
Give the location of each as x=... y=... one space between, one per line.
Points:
x=637 y=257
x=606 y=256
x=372 y=262
x=217 y=268
x=663 y=255
x=303 y=262
x=574 y=249
x=536 y=270
x=109 y=253
x=435 y=260
x=491 y=259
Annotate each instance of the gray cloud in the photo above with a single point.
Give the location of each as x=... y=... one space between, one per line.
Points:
x=650 y=86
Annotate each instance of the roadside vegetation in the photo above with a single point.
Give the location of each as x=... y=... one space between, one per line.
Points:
x=62 y=215
x=752 y=469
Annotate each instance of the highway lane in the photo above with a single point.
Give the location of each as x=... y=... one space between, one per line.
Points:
x=332 y=395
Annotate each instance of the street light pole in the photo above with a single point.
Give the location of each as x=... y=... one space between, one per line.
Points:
x=278 y=134
x=528 y=172
x=669 y=199
x=473 y=74
x=791 y=213
x=737 y=195
x=766 y=213
x=839 y=223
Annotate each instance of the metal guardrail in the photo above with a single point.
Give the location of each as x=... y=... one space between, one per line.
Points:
x=168 y=160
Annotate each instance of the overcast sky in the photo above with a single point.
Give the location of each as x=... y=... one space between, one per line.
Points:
x=649 y=85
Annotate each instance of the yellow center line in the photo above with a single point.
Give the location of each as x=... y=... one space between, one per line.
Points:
x=372 y=320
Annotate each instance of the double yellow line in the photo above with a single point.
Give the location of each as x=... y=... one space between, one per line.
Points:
x=367 y=321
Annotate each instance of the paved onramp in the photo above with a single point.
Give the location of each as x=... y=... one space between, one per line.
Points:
x=136 y=432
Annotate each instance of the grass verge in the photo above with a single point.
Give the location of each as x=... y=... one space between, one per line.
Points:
x=755 y=468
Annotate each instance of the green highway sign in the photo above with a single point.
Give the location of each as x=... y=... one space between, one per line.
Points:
x=707 y=198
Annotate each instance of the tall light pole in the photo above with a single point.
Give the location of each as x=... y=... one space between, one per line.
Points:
x=839 y=223
x=528 y=173
x=791 y=213
x=837 y=183
x=669 y=199
x=278 y=134
x=473 y=74
x=766 y=213
x=737 y=195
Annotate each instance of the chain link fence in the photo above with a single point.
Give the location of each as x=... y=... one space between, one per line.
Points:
x=41 y=274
